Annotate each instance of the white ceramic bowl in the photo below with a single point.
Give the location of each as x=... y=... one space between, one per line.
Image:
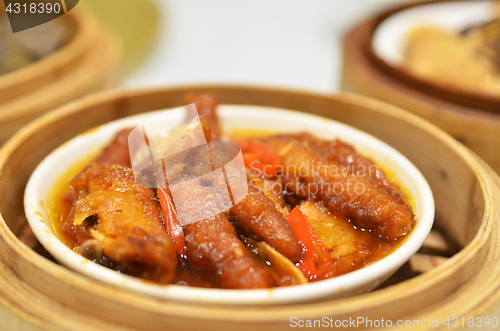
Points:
x=389 y=36
x=278 y=120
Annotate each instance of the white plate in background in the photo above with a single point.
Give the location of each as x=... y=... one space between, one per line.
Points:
x=389 y=37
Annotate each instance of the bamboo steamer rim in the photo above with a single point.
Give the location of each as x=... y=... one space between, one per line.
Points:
x=10 y=245
x=86 y=29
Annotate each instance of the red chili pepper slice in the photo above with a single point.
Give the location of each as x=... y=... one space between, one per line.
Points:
x=172 y=224
x=316 y=260
x=258 y=156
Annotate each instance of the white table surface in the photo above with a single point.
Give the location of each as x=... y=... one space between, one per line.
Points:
x=286 y=43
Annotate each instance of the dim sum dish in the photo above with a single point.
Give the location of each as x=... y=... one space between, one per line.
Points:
x=444 y=278
x=246 y=205
x=469 y=59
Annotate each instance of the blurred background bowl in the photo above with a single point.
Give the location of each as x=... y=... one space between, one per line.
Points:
x=372 y=67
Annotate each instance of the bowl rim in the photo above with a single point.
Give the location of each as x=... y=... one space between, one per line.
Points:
x=272 y=296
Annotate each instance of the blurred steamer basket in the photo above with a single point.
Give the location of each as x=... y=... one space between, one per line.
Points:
x=471 y=118
x=87 y=62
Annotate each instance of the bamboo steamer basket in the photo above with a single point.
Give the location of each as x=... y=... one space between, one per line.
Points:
x=472 y=118
x=88 y=62
x=38 y=294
